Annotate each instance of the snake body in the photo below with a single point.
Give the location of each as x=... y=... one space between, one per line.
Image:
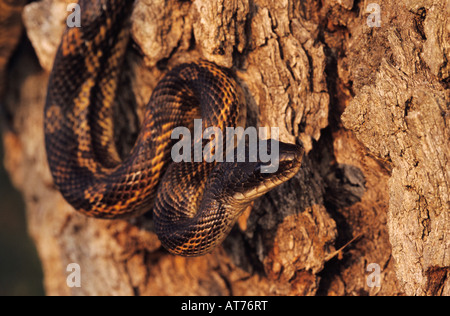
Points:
x=194 y=204
x=11 y=24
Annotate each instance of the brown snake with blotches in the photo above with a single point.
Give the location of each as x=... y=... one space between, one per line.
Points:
x=195 y=205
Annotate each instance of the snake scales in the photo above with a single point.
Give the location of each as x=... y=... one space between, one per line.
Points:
x=194 y=204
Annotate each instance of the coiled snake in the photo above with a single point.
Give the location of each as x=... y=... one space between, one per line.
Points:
x=194 y=204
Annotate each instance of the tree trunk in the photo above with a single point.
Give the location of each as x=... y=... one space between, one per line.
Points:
x=373 y=192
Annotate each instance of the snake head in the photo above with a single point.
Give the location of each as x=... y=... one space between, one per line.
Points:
x=259 y=178
x=240 y=183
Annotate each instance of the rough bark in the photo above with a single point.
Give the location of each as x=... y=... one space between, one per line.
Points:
x=378 y=177
x=407 y=94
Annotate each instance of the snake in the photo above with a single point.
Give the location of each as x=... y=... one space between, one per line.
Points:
x=194 y=204
x=11 y=24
